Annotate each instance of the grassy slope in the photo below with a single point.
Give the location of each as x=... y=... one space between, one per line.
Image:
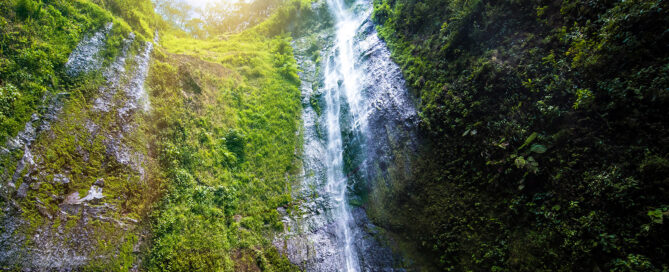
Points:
x=548 y=138
x=226 y=122
x=222 y=134
x=226 y=125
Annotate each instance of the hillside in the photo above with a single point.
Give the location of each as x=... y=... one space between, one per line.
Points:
x=129 y=142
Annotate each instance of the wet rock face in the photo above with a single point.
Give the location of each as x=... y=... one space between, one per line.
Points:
x=383 y=122
x=55 y=248
x=392 y=119
x=69 y=229
x=86 y=56
x=374 y=256
x=133 y=98
x=25 y=138
x=311 y=242
x=390 y=122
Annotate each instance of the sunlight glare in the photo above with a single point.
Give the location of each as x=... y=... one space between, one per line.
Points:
x=201 y=3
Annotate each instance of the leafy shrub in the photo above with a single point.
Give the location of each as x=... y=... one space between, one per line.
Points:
x=28 y=9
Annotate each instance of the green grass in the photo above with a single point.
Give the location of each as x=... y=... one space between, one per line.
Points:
x=226 y=122
x=222 y=144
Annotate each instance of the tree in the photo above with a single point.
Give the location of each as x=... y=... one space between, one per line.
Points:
x=216 y=16
x=178 y=11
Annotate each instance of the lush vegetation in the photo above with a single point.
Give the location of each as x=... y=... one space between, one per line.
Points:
x=226 y=119
x=222 y=133
x=547 y=145
x=215 y=18
x=37 y=38
x=226 y=125
x=36 y=42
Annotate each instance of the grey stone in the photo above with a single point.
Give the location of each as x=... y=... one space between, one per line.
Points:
x=86 y=56
x=22 y=192
x=100 y=182
x=382 y=119
x=58 y=249
x=61 y=179
x=94 y=194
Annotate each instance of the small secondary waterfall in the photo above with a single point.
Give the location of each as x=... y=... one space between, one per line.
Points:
x=358 y=123
x=120 y=99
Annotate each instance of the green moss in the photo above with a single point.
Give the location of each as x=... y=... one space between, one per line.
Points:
x=37 y=38
x=124 y=257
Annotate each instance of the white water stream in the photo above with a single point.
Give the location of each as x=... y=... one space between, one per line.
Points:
x=367 y=118
x=342 y=82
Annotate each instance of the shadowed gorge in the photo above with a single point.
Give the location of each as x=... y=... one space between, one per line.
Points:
x=334 y=135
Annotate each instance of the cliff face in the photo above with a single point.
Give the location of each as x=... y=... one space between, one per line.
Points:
x=528 y=136
x=130 y=145
x=77 y=178
x=546 y=142
x=356 y=113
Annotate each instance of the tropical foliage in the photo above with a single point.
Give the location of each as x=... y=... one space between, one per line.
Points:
x=547 y=137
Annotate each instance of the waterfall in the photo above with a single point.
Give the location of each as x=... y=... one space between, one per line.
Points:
x=357 y=117
x=348 y=72
x=336 y=180
x=342 y=81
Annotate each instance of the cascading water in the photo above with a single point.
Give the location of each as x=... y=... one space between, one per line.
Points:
x=357 y=117
x=347 y=71
x=336 y=181
x=342 y=81
x=339 y=77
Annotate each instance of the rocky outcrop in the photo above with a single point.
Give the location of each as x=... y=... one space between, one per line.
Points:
x=64 y=229
x=86 y=56
x=25 y=138
x=375 y=124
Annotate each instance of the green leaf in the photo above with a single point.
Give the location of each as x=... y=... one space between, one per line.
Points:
x=520 y=162
x=529 y=140
x=537 y=148
x=656 y=216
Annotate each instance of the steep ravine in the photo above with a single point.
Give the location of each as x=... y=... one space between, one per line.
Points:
x=359 y=124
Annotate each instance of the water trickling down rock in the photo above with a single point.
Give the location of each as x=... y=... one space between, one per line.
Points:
x=68 y=250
